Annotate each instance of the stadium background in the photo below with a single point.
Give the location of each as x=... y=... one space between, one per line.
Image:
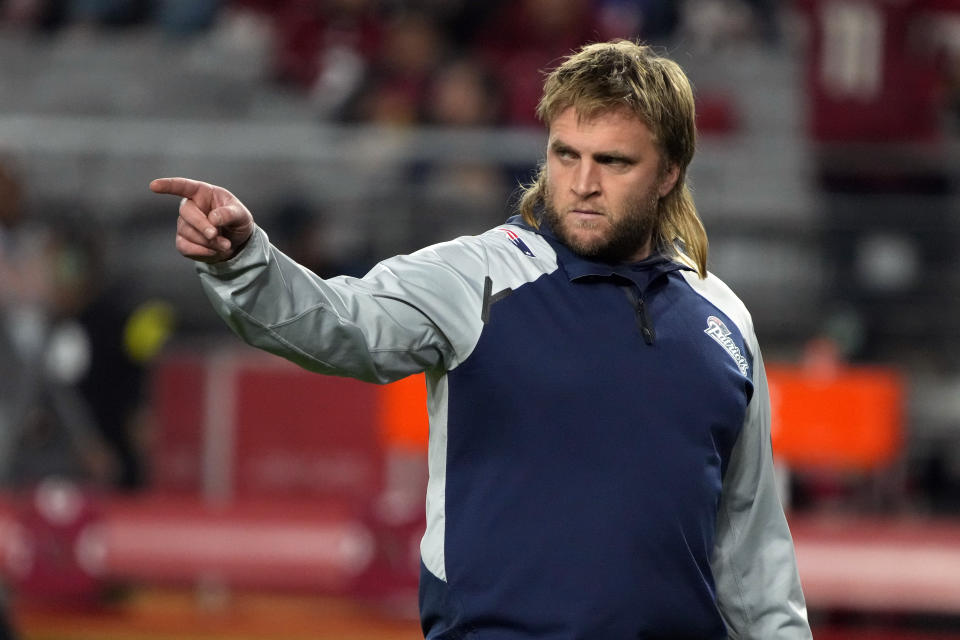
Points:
x=160 y=480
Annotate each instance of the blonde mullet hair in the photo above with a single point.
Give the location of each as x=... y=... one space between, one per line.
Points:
x=622 y=74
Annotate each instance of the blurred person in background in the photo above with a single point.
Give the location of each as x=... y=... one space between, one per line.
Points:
x=711 y=25
x=876 y=78
x=521 y=38
x=41 y=433
x=652 y=20
x=599 y=453
x=399 y=75
x=57 y=434
x=462 y=95
x=74 y=348
x=122 y=332
x=301 y=230
x=323 y=47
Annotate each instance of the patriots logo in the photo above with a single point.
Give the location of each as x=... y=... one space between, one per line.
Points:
x=717 y=330
x=517 y=242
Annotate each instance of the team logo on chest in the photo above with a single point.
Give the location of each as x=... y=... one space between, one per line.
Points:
x=719 y=332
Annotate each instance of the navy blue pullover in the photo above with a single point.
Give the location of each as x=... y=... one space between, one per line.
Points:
x=600 y=462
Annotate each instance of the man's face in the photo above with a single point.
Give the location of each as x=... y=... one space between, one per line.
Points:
x=605 y=177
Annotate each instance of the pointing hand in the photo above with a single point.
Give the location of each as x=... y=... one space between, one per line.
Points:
x=213 y=224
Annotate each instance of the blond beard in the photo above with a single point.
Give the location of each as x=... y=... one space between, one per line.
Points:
x=626 y=235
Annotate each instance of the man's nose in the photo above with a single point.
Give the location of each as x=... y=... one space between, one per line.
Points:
x=587 y=179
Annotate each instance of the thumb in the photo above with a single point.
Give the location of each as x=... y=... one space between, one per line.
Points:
x=233 y=216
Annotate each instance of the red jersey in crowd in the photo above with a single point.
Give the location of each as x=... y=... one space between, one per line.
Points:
x=875 y=67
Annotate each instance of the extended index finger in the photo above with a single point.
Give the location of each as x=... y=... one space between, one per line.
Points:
x=183 y=187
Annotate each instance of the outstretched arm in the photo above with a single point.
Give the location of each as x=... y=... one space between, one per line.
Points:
x=213 y=223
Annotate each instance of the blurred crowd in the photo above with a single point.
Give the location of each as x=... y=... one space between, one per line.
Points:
x=453 y=62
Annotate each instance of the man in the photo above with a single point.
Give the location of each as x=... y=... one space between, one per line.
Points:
x=599 y=456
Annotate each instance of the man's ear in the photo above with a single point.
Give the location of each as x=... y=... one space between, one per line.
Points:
x=668 y=179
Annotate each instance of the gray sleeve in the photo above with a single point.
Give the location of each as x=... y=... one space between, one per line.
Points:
x=409 y=314
x=754 y=565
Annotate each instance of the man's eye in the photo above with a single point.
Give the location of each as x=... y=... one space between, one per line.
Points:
x=614 y=162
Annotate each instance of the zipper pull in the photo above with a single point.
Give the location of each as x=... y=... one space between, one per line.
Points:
x=640 y=311
x=643 y=321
